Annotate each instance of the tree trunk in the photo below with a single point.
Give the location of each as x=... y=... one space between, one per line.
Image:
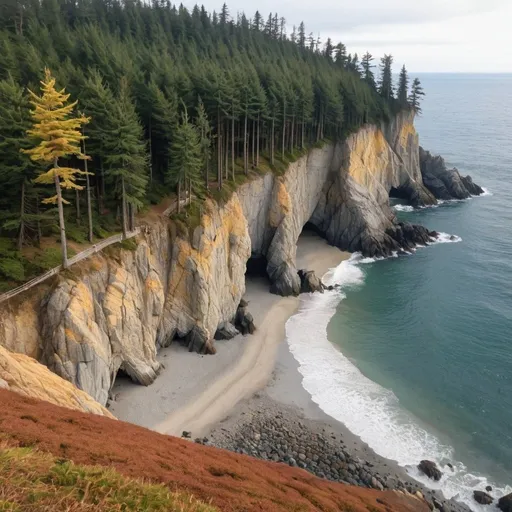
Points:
x=219 y=150
x=272 y=139
x=226 y=149
x=123 y=208
x=284 y=130
x=253 y=144
x=88 y=192
x=102 y=195
x=292 y=133
x=150 y=154
x=38 y=222
x=246 y=169
x=21 y=236
x=302 y=140
x=63 y=244
x=258 y=142
x=77 y=206
x=179 y=195
x=233 y=145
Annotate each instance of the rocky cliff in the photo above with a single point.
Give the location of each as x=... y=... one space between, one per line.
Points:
x=114 y=311
x=445 y=183
x=27 y=377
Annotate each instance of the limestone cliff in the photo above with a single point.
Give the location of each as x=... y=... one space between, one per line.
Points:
x=24 y=375
x=118 y=308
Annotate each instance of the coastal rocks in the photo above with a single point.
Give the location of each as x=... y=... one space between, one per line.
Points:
x=244 y=321
x=310 y=282
x=25 y=376
x=430 y=469
x=226 y=331
x=445 y=183
x=505 y=503
x=482 y=497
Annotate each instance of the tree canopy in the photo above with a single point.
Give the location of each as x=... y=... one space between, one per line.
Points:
x=249 y=90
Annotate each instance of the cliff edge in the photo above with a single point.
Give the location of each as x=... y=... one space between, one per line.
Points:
x=113 y=311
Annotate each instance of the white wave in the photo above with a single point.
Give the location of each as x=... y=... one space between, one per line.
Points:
x=403 y=208
x=366 y=408
x=487 y=192
x=445 y=238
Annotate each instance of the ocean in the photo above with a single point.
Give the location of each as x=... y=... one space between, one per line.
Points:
x=414 y=354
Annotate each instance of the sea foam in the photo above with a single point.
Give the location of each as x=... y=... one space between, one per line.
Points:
x=367 y=409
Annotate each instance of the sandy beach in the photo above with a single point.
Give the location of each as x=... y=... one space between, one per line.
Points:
x=193 y=392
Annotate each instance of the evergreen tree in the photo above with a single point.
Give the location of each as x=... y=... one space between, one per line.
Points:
x=186 y=159
x=302 y=36
x=386 y=77
x=328 y=50
x=340 y=56
x=205 y=142
x=366 y=64
x=126 y=157
x=416 y=94
x=403 y=87
x=224 y=15
x=57 y=135
x=16 y=169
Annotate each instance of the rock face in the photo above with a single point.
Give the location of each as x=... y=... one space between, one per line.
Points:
x=482 y=497
x=24 y=375
x=505 y=503
x=119 y=307
x=430 y=469
x=445 y=183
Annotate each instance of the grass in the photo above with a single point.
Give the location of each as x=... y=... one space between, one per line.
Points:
x=36 y=481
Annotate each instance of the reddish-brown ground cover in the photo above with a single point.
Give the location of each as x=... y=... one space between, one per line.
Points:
x=230 y=481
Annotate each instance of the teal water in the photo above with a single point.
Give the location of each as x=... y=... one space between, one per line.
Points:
x=424 y=366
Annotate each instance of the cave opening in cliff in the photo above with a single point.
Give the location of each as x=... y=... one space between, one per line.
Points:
x=399 y=193
x=257 y=266
x=310 y=228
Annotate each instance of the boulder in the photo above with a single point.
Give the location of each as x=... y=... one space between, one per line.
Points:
x=482 y=497
x=430 y=469
x=198 y=341
x=244 y=321
x=310 y=282
x=226 y=331
x=488 y=488
x=505 y=503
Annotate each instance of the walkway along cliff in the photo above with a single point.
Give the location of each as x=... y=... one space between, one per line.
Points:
x=116 y=310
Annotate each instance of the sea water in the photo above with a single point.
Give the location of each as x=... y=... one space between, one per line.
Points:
x=414 y=353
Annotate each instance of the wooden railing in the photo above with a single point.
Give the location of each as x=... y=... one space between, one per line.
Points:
x=75 y=259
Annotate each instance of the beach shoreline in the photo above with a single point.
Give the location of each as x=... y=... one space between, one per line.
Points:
x=251 y=381
x=193 y=392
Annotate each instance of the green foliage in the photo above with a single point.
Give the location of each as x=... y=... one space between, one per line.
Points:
x=12 y=269
x=49 y=258
x=416 y=95
x=403 y=88
x=248 y=88
x=29 y=477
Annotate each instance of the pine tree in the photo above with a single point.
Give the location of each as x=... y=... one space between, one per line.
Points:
x=366 y=64
x=416 y=94
x=302 y=36
x=58 y=135
x=204 y=128
x=403 y=87
x=16 y=169
x=126 y=156
x=186 y=158
x=386 y=77
x=340 y=56
x=224 y=15
x=328 y=50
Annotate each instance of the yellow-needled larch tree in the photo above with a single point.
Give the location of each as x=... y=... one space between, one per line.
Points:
x=56 y=131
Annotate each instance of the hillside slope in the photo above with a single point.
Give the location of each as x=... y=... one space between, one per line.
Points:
x=227 y=480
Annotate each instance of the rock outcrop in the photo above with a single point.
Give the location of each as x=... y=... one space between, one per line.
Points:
x=113 y=311
x=505 y=503
x=482 y=497
x=310 y=282
x=430 y=469
x=24 y=375
x=445 y=183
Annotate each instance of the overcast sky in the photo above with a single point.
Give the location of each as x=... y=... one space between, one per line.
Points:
x=426 y=35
